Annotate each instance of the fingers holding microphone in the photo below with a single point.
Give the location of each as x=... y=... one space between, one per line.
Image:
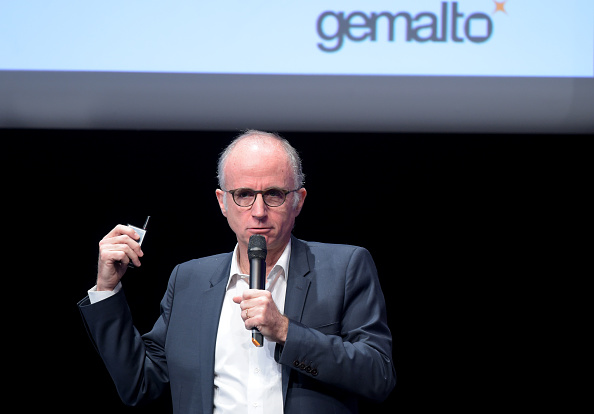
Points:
x=259 y=311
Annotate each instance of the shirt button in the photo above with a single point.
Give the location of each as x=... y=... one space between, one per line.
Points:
x=255 y=404
x=257 y=370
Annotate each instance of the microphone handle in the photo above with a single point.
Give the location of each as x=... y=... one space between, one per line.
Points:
x=257 y=276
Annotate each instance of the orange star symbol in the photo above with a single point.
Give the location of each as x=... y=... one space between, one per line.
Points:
x=500 y=6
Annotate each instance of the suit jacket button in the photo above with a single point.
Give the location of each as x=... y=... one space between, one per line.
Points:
x=314 y=372
x=302 y=366
x=308 y=369
x=296 y=363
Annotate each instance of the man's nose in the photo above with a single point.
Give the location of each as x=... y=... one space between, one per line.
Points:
x=259 y=208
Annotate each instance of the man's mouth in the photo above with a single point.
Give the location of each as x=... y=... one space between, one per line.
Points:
x=258 y=230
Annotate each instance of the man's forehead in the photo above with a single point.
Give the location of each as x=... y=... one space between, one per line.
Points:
x=258 y=180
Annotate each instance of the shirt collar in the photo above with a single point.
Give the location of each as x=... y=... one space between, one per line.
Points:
x=280 y=267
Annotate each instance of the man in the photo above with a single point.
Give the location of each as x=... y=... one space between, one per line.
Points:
x=322 y=314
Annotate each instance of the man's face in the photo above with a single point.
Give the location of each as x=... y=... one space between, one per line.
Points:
x=260 y=166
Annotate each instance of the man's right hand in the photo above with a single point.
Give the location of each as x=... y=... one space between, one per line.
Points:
x=116 y=250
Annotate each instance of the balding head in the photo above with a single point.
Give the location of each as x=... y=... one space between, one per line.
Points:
x=261 y=141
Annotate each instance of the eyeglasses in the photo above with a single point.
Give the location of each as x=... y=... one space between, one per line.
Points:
x=273 y=197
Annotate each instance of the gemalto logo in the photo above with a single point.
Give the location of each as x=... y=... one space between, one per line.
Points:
x=451 y=24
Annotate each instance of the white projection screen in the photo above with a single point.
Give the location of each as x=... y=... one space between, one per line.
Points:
x=388 y=66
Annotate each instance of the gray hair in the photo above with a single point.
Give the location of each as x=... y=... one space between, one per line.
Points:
x=294 y=159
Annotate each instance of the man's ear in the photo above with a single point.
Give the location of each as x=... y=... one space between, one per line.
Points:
x=220 y=198
x=302 y=193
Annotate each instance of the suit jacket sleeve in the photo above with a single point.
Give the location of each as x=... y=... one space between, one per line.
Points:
x=342 y=339
x=136 y=363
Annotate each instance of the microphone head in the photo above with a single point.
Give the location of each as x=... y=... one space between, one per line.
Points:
x=257 y=247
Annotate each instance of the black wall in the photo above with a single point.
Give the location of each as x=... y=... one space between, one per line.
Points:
x=460 y=227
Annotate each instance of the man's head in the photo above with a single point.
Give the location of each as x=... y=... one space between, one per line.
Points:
x=261 y=161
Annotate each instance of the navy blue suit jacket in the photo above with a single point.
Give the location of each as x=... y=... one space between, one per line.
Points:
x=338 y=345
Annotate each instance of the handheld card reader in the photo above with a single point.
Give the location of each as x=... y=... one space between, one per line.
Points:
x=141 y=232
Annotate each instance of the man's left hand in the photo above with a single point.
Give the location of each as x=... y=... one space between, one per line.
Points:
x=259 y=311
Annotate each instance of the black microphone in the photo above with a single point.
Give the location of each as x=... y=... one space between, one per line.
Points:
x=257 y=255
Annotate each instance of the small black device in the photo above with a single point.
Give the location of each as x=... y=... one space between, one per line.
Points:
x=141 y=232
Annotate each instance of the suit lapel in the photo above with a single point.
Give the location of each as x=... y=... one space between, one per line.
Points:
x=297 y=287
x=211 y=301
x=297 y=282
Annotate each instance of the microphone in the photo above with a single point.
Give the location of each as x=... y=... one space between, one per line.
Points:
x=257 y=256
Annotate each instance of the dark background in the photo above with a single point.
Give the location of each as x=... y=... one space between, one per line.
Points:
x=465 y=230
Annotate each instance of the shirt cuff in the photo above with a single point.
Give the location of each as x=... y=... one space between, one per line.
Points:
x=96 y=296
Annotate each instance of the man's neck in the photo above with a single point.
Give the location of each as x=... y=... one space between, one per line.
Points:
x=271 y=258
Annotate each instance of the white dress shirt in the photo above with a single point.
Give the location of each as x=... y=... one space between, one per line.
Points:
x=247 y=379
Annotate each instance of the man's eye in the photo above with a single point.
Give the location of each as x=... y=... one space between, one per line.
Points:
x=274 y=193
x=244 y=194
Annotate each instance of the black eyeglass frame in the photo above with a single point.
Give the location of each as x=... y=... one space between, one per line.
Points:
x=263 y=192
